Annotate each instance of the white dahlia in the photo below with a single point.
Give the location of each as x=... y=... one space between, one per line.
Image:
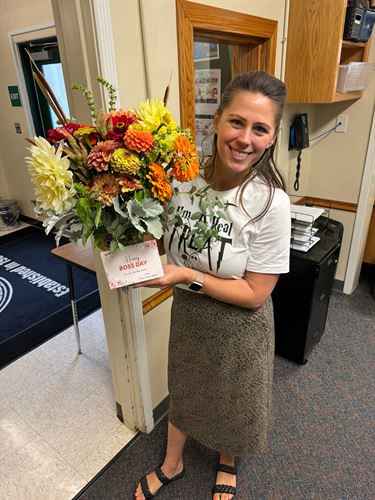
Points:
x=50 y=174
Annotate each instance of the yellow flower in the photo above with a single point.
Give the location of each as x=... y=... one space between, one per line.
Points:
x=84 y=130
x=125 y=162
x=152 y=113
x=51 y=176
x=165 y=141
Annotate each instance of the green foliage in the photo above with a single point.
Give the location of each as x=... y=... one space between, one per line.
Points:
x=145 y=216
x=88 y=95
x=200 y=222
x=111 y=92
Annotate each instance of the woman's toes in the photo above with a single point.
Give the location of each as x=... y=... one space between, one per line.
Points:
x=139 y=493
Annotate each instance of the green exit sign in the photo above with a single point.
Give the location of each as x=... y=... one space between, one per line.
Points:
x=14 y=95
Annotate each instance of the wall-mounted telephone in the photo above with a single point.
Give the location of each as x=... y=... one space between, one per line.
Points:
x=299 y=133
x=299 y=139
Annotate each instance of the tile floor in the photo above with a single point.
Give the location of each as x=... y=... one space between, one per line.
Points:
x=58 y=424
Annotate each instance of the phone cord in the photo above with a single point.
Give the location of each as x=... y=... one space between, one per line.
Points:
x=296 y=182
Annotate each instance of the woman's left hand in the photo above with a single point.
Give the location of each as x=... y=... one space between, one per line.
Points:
x=173 y=275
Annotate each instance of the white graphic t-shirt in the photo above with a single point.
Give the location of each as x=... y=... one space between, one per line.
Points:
x=261 y=246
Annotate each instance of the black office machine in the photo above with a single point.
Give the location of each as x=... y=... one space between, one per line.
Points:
x=301 y=297
x=359 y=21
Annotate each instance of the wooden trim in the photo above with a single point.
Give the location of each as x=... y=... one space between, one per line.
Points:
x=254 y=36
x=369 y=253
x=323 y=202
x=156 y=299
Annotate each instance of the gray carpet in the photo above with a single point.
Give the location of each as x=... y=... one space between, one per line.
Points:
x=321 y=443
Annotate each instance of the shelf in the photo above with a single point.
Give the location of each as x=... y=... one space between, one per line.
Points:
x=349 y=43
x=347 y=96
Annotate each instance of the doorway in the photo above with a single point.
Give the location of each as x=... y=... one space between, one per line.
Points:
x=45 y=54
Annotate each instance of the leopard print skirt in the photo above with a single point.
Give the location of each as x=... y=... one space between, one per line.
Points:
x=220 y=372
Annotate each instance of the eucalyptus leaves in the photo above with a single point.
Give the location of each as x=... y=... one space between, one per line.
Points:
x=202 y=229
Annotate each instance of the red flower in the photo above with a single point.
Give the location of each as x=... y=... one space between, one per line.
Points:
x=120 y=122
x=114 y=137
x=55 y=135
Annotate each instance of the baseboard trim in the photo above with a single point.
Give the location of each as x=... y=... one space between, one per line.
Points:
x=29 y=220
x=338 y=285
x=161 y=410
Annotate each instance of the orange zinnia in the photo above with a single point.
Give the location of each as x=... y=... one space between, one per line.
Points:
x=161 y=188
x=138 y=140
x=185 y=164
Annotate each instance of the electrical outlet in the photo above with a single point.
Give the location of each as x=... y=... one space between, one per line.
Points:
x=343 y=121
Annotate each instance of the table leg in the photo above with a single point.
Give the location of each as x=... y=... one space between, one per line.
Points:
x=69 y=271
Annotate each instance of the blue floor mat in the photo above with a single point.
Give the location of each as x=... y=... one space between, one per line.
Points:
x=34 y=293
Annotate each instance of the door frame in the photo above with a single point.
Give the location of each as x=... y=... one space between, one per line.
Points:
x=363 y=215
x=255 y=38
x=22 y=35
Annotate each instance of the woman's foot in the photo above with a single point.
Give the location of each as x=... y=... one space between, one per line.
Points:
x=161 y=476
x=225 y=483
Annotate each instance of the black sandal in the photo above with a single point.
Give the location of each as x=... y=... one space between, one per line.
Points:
x=162 y=478
x=225 y=488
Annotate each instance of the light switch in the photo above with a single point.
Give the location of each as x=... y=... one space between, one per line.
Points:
x=17 y=126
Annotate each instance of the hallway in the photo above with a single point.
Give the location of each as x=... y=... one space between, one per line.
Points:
x=58 y=424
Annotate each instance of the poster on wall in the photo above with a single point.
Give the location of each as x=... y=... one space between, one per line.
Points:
x=207 y=100
x=207 y=91
x=204 y=51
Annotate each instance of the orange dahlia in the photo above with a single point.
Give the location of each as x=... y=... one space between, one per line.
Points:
x=185 y=160
x=138 y=140
x=161 y=188
x=104 y=188
x=128 y=183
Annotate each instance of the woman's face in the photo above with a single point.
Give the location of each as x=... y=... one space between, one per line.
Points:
x=245 y=129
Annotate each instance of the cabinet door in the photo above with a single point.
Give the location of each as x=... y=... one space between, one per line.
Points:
x=314 y=45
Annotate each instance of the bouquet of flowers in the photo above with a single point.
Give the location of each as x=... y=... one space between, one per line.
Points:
x=110 y=179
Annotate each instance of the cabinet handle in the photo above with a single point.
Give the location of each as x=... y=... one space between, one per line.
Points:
x=322 y=296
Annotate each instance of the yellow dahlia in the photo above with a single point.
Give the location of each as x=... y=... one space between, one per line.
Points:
x=161 y=188
x=125 y=162
x=104 y=188
x=185 y=163
x=138 y=140
x=128 y=183
x=152 y=113
x=51 y=176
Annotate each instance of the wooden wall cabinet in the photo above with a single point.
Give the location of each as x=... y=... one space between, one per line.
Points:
x=315 y=49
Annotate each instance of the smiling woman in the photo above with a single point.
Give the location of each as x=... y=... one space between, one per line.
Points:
x=222 y=340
